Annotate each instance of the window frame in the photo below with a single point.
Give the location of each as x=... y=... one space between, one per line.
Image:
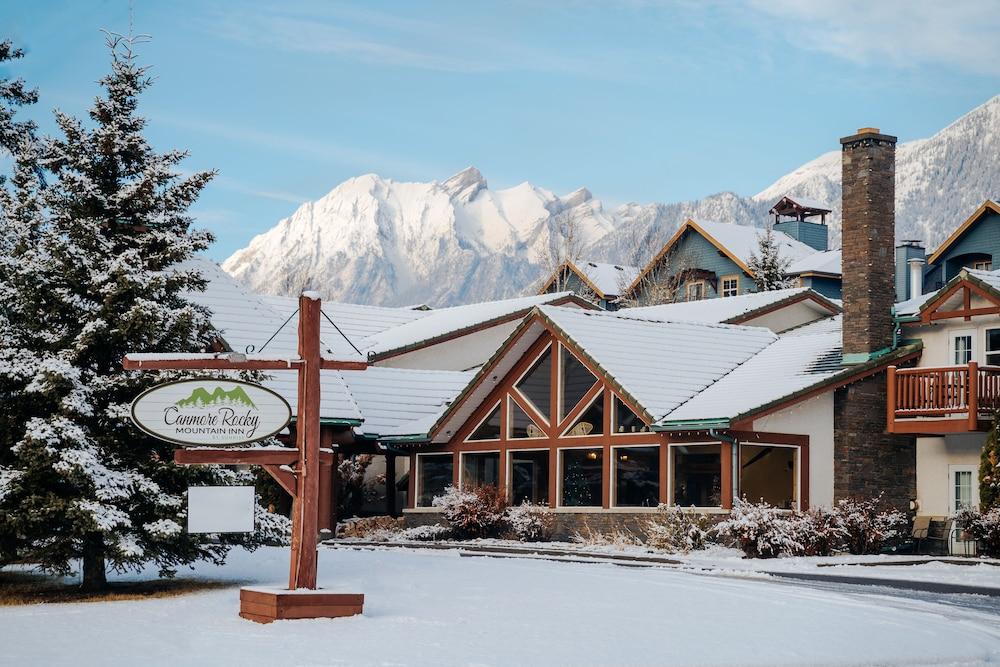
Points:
x=982 y=265
x=508 y=435
x=553 y=365
x=671 y=472
x=559 y=478
x=570 y=424
x=613 y=420
x=468 y=438
x=613 y=472
x=461 y=464
x=417 y=476
x=987 y=353
x=509 y=491
x=722 y=285
x=973 y=470
x=797 y=473
x=953 y=338
x=700 y=284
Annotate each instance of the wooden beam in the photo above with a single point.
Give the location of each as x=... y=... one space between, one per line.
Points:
x=211 y=364
x=334 y=365
x=283 y=477
x=231 y=456
x=235 y=456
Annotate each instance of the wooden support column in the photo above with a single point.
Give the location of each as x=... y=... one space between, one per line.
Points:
x=411 y=499
x=553 y=477
x=327 y=514
x=664 y=481
x=390 y=484
x=890 y=398
x=305 y=508
x=726 y=451
x=973 y=397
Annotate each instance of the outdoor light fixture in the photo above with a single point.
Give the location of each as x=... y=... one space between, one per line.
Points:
x=623 y=457
x=592 y=455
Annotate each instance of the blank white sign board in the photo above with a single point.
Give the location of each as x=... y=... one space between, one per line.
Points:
x=220 y=509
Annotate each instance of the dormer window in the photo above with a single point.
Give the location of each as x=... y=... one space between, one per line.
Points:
x=983 y=265
x=695 y=290
x=730 y=285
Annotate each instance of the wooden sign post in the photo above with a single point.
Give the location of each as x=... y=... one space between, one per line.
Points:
x=296 y=470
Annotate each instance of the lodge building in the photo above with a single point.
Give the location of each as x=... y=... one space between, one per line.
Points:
x=876 y=375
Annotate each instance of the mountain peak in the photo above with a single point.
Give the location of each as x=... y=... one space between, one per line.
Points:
x=465 y=185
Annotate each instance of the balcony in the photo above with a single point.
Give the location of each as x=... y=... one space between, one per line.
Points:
x=947 y=399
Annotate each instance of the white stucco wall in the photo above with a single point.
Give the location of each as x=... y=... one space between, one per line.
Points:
x=934 y=455
x=813 y=418
x=786 y=318
x=457 y=354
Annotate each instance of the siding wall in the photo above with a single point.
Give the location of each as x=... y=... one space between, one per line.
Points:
x=693 y=251
x=982 y=239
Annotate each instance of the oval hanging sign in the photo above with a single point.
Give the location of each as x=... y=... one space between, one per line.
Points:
x=210 y=411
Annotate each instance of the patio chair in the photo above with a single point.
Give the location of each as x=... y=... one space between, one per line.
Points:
x=938 y=537
x=921 y=527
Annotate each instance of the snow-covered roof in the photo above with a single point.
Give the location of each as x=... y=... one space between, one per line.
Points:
x=660 y=364
x=726 y=309
x=399 y=402
x=743 y=241
x=827 y=261
x=607 y=279
x=246 y=320
x=989 y=279
x=805 y=202
x=336 y=402
x=789 y=364
x=355 y=320
x=445 y=322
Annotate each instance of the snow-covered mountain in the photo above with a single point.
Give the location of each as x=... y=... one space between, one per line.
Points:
x=374 y=240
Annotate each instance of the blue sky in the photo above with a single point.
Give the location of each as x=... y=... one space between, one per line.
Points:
x=636 y=100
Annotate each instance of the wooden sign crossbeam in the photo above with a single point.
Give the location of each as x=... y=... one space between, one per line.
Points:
x=296 y=470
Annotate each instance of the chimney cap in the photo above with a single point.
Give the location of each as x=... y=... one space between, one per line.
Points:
x=867 y=134
x=915 y=260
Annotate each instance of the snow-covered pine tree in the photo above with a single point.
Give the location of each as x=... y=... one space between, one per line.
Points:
x=78 y=481
x=768 y=265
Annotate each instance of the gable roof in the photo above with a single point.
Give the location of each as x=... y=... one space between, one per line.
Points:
x=734 y=309
x=446 y=323
x=801 y=203
x=737 y=242
x=986 y=282
x=606 y=280
x=987 y=206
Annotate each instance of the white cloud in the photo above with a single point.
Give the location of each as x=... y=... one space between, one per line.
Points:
x=905 y=33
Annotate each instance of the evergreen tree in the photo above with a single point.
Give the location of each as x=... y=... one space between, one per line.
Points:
x=768 y=265
x=989 y=469
x=100 y=279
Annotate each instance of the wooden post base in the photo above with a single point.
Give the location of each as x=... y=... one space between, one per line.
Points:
x=263 y=605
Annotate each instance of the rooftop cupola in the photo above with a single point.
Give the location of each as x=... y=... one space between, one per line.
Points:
x=804 y=220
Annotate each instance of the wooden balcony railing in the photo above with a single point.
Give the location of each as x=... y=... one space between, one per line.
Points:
x=947 y=399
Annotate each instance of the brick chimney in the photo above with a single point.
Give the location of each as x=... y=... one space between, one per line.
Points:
x=868 y=246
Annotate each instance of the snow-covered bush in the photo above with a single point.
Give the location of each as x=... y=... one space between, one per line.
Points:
x=364 y=527
x=984 y=527
x=616 y=537
x=762 y=531
x=820 y=531
x=529 y=522
x=479 y=512
x=867 y=525
x=429 y=533
x=677 y=531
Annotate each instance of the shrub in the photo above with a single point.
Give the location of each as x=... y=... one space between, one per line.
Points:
x=529 y=522
x=480 y=512
x=677 y=531
x=984 y=527
x=429 y=533
x=867 y=526
x=820 y=531
x=368 y=526
x=762 y=531
x=616 y=537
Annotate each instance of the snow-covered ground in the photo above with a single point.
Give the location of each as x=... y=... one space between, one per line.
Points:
x=438 y=608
